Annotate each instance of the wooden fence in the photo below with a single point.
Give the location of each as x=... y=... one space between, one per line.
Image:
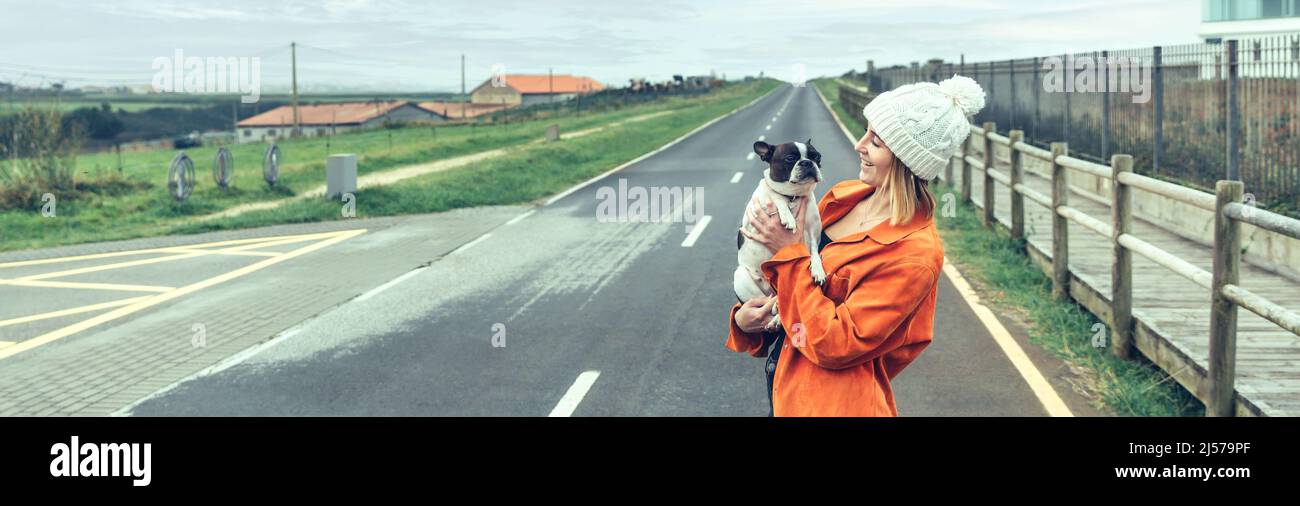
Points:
x=1216 y=388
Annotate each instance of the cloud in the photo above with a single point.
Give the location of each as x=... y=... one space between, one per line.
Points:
x=419 y=44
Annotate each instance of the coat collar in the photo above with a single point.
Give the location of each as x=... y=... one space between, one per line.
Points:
x=846 y=194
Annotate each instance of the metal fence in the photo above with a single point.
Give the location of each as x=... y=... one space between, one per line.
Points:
x=1193 y=113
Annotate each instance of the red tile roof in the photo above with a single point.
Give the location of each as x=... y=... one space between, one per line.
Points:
x=323 y=114
x=560 y=83
x=451 y=110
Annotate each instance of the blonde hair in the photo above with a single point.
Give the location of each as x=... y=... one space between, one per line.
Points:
x=908 y=194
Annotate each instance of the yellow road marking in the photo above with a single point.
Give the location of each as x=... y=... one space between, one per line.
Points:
x=107 y=267
x=5 y=344
x=169 y=249
x=224 y=252
x=1047 y=396
x=272 y=241
x=164 y=297
x=86 y=286
x=72 y=311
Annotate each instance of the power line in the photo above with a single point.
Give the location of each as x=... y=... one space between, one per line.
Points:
x=371 y=59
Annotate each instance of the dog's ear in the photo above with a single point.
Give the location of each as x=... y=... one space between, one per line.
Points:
x=764 y=151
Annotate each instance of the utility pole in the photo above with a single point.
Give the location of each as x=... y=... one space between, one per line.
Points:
x=463 y=99
x=293 y=51
x=13 y=146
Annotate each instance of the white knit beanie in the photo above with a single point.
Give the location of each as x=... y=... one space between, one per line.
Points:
x=924 y=124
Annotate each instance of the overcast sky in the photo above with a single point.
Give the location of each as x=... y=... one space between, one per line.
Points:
x=406 y=45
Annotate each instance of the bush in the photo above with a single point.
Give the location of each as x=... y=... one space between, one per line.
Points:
x=48 y=157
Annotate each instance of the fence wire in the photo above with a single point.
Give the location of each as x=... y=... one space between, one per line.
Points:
x=1170 y=107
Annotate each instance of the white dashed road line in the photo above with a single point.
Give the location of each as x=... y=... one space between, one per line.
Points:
x=470 y=244
x=736 y=178
x=375 y=291
x=695 y=232
x=519 y=218
x=574 y=396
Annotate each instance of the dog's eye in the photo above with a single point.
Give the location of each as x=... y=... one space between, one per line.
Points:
x=789 y=158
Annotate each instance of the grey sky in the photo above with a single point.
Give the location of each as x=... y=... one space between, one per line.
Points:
x=410 y=45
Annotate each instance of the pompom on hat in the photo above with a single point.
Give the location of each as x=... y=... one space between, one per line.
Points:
x=924 y=124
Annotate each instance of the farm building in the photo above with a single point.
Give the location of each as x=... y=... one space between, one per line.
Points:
x=458 y=110
x=328 y=119
x=526 y=90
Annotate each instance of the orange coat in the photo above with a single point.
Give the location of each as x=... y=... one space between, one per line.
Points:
x=872 y=317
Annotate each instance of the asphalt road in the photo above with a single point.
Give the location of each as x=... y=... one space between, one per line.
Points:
x=569 y=293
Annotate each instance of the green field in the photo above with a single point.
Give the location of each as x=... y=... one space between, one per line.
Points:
x=534 y=171
x=70 y=105
x=136 y=103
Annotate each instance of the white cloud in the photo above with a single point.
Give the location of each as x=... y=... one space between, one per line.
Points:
x=610 y=40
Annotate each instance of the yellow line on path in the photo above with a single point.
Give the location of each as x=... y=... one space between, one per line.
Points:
x=50 y=337
x=5 y=344
x=225 y=252
x=72 y=311
x=191 y=253
x=86 y=286
x=169 y=249
x=109 y=267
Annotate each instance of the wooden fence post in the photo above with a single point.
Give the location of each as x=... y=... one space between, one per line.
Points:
x=989 y=189
x=965 y=171
x=947 y=172
x=1158 y=96
x=1121 y=272
x=1223 y=312
x=1234 y=115
x=1017 y=200
x=1104 y=65
x=1060 y=226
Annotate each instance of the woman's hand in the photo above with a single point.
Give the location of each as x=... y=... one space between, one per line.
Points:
x=755 y=314
x=768 y=229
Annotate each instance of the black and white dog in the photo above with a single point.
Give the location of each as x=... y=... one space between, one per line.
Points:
x=793 y=170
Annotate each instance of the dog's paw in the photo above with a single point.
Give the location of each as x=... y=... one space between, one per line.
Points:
x=815 y=267
x=819 y=274
x=773 y=324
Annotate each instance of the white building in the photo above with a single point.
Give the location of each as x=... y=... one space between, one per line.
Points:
x=328 y=119
x=1234 y=19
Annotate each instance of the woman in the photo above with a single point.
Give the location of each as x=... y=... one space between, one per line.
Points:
x=843 y=342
